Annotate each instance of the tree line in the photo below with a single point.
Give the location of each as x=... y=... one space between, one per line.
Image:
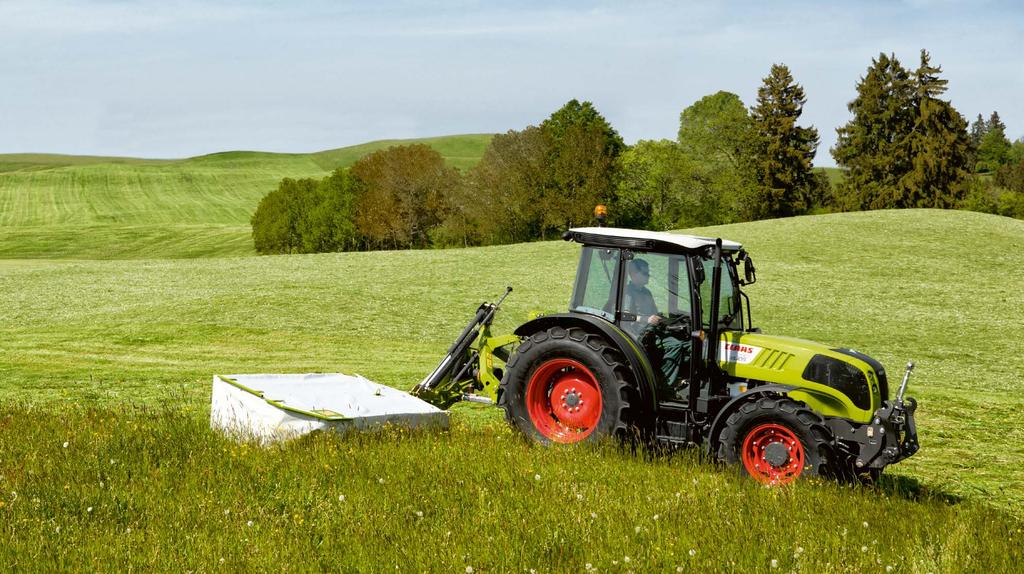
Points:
x=904 y=146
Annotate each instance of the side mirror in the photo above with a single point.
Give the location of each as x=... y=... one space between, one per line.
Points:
x=698 y=273
x=749 y=272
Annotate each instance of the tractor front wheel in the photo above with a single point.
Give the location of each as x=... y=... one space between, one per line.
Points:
x=776 y=440
x=568 y=385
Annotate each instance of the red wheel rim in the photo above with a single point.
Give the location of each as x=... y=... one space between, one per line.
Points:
x=563 y=400
x=773 y=454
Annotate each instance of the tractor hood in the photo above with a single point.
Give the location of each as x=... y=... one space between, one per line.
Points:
x=831 y=379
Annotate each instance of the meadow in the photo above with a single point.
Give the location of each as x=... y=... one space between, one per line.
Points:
x=81 y=207
x=126 y=284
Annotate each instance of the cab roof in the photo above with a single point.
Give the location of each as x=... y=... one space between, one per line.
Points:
x=644 y=240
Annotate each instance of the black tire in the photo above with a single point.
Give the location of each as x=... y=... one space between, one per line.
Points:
x=758 y=416
x=619 y=415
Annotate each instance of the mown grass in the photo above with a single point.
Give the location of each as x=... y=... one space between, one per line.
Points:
x=116 y=489
x=939 y=287
x=121 y=207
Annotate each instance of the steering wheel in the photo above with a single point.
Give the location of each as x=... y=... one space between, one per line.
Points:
x=675 y=324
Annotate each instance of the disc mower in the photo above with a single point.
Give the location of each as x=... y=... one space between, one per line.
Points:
x=658 y=345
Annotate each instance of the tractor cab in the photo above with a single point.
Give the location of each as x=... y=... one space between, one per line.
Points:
x=651 y=285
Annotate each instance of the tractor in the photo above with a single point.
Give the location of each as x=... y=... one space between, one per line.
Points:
x=658 y=346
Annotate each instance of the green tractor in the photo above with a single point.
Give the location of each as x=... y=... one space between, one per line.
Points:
x=658 y=345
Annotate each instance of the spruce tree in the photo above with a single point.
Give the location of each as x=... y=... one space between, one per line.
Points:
x=938 y=146
x=871 y=144
x=994 y=148
x=782 y=150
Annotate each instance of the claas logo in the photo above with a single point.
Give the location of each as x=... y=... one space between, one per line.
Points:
x=738 y=348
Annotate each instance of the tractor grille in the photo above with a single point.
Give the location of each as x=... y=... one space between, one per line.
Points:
x=772 y=359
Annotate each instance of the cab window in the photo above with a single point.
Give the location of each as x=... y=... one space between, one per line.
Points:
x=597 y=282
x=655 y=284
x=729 y=313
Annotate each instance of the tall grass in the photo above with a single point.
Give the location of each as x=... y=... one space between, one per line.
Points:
x=109 y=489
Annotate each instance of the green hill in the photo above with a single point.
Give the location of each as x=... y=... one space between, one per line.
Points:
x=933 y=286
x=54 y=206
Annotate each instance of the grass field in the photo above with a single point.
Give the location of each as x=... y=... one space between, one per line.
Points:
x=118 y=208
x=143 y=490
x=934 y=286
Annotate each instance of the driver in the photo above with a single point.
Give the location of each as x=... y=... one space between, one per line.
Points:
x=637 y=299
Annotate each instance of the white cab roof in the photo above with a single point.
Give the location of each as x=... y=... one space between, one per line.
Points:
x=687 y=241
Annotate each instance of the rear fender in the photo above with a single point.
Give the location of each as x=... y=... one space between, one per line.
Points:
x=734 y=404
x=637 y=359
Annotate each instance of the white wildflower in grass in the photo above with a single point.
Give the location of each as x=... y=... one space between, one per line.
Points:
x=593 y=515
x=637 y=530
x=226 y=512
x=679 y=568
x=419 y=514
x=221 y=560
x=865 y=524
x=799 y=549
x=536 y=477
x=88 y=509
x=614 y=563
x=380 y=481
x=249 y=524
x=775 y=563
x=693 y=552
x=57 y=530
x=625 y=559
x=469 y=570
x=678 y=494
x=66 y=444
x=588 y=566
x=863 y=548
x=888 y=568
x=656 y=517
x=128 y=530
x=341 y=498
x=579 y=496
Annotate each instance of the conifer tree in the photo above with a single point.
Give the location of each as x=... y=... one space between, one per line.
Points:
x=782 y=150
x=938 y=145
x=978 y=130
x=994 y=148
x=870 y=144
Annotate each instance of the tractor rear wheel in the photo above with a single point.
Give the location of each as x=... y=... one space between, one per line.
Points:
x=568 y=385
x=776 y=440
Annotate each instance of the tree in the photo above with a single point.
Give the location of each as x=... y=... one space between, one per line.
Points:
x=871 y=144
x=401 y=195
x=716 y=129
x=504 y=189
x=716 y=134
x=582 y=152
x=978 y=130
x=938 y=145
x=782 y=150
x=994 y=148
x=331 y=217
x=278 y=223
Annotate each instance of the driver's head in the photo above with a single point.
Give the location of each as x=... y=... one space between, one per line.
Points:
x=639 y=272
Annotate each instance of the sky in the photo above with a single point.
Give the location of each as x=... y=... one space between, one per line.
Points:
x=175 y=79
